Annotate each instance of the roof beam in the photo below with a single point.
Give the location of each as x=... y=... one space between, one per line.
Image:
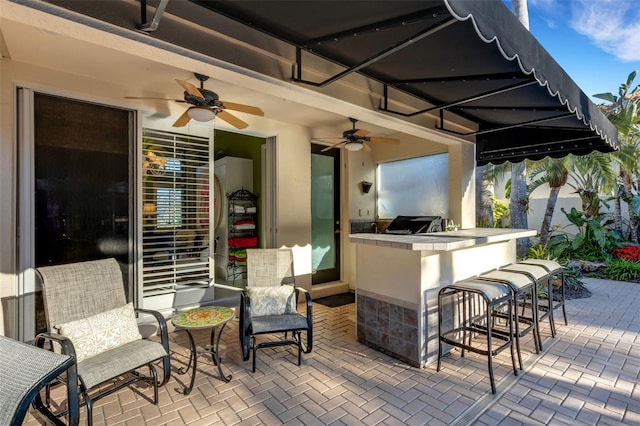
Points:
x=507 y=127
x=389 y=51
x=459 y=78
x=459 y=101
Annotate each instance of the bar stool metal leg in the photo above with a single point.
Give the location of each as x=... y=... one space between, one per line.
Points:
x=520 y=285
x=541 y=277
x=481 y=301
x=555 y=270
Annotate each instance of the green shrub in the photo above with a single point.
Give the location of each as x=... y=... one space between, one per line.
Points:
x=594 y=240
x=623 y=270
x=500 y=212
x=538 y=252
x=572 y=278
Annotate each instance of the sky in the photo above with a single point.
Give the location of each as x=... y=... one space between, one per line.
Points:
x=597 y=42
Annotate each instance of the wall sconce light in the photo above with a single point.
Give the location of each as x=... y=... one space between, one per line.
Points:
x=365 y=186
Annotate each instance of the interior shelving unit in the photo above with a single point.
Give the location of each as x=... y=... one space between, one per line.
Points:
x=242 y=231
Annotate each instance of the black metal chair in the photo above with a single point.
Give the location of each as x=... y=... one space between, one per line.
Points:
x=24 y=371
x=268 y=305
x=90 y=296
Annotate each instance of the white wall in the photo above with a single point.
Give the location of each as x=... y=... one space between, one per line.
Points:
x=361 y=165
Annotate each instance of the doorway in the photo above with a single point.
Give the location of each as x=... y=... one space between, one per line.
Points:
x=325 y=214
x=76 y=190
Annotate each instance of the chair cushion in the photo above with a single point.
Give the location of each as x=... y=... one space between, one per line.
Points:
x=271 y=324
x=117 y=361
x=101 y=332
x=275 y=300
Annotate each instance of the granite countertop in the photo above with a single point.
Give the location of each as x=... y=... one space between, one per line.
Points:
x=442 y=241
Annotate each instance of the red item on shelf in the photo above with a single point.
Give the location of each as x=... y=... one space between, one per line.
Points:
x=243 y=242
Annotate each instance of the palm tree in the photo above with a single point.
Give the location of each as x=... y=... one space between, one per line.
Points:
x=486 y=178
x=554 y=172
x=591 y=175
x=519 y=198
x=484 y=199
x=623 y=113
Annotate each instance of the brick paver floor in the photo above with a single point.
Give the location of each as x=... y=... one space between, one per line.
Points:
x=587 y=375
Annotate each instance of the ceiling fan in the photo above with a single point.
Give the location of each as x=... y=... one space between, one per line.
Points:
x=355 y=139
x=206 y=105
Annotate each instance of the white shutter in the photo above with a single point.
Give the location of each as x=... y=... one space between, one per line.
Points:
x=175 y=209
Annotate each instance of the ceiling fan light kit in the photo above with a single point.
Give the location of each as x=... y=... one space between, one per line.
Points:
x=357 y=139
x=201 y=114
x=206 y=105
x=353 y=146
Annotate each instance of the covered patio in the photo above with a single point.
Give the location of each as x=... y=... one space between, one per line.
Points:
x=587 y=375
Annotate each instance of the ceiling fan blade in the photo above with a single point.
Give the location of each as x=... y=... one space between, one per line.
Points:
x=155 y=99
x=366 y=147
x=243 y=108
x=361 y=132
x=335 y=145
x=232 y=119
x=182 y=120
x=383 y=140
x=190 y=88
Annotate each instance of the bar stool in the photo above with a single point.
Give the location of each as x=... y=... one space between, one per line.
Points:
x=477 y=304
x=520 y=285
x=542 y=279
x=555 y=270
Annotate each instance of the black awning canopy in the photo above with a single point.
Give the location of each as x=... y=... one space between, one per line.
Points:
x=469 y=58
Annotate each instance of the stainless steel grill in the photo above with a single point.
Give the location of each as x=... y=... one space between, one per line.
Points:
x=414 y=224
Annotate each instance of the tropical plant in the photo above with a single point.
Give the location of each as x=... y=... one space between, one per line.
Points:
x=554 y=172
x=487 y=176
x=519 y=199
x=500 y=212
x=628 y=252
x=622 y=111
x=623 y=270
x=572 y=277
x=484 y=200
x=592 y=175
x=539 y=251
x=594 y=240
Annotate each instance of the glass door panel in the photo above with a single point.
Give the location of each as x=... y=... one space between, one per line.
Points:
x=325 y=214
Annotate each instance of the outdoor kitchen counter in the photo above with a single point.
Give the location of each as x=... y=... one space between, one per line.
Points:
x=442 y=241
x=398 y=278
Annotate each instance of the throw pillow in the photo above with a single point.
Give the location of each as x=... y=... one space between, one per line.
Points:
x=272 y=300
x=101 y=332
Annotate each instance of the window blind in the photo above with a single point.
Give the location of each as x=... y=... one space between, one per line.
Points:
x=175 y=208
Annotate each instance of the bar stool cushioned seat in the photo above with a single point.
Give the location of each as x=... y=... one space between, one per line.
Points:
x=555 y=270
x=477 y=304
x=521 y=287
x=543 y=281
